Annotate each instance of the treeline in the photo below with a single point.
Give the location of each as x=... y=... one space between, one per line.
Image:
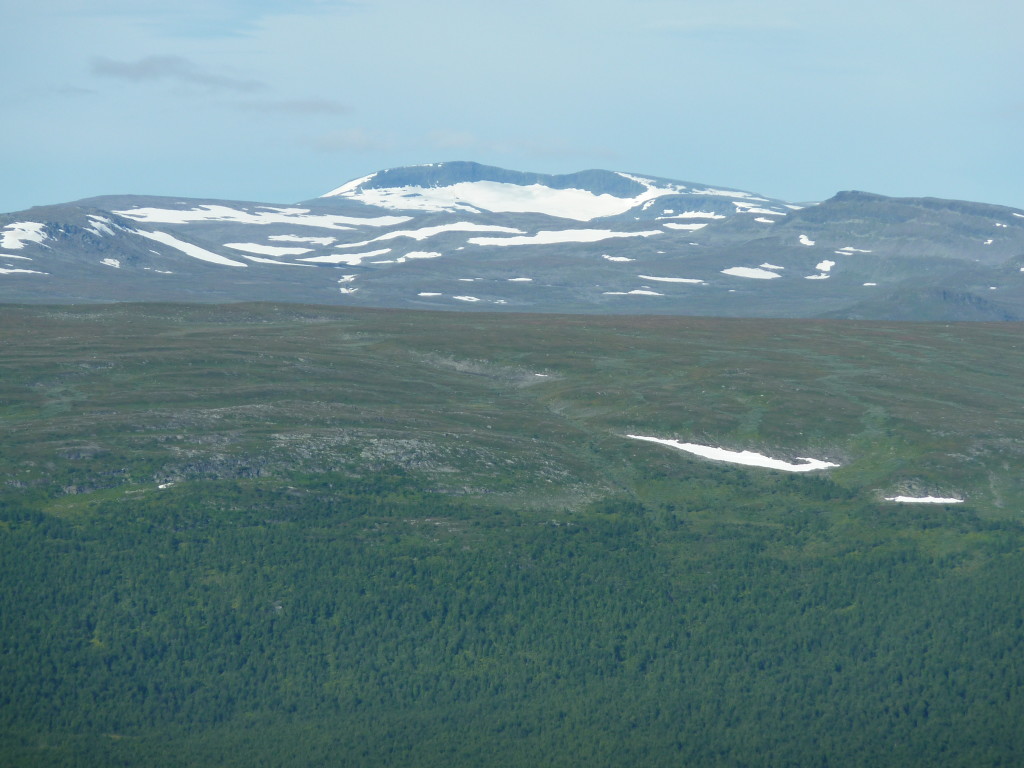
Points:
x=330 y=620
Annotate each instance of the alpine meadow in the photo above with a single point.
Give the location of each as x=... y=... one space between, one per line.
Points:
x=287 y=534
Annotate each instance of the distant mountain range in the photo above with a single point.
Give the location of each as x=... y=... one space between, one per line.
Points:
x=464 y=236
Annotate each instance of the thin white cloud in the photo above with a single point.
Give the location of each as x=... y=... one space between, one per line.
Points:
x=297 y=106
x=352 y=140
x=173 y=68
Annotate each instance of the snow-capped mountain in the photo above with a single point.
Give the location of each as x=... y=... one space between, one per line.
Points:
x=461 y=235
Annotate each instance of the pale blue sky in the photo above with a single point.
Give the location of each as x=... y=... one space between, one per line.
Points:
x=281 y=101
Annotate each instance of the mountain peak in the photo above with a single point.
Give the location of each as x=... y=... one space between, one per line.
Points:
x=469 y=186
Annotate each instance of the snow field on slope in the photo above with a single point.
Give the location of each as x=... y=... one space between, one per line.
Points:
x=424 y=232
x=503 y=197
x=560 y=236
x=191 y=250
x=748 y=458
x=751 y=272
x=14 y=236
x=294 y=216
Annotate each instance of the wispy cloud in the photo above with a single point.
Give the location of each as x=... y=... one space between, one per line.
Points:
x=297 y=106
x=352 y=140
x=537 y=147
x=172 y=68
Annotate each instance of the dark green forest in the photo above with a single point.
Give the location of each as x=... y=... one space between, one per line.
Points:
x=232 y=539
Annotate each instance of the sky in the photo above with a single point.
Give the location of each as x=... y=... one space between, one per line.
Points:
x=281 y=101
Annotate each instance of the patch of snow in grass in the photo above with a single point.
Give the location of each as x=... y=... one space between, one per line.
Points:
x=636 y=292
x=672 y=279
x=846 y=250
x=21 y=271
x=424 y=232
x=429 y=293
x=111 y=263
x=418 y=255
x=747 y=458
x=560 y=236
x=742 y=207
x=686 y=227
x=190 y=250
x=763 y=220
x=751 y=272
x=300 y=239
x=466 y=298
x=621 y=258
x=766 y=265
x=100 y=225
x=923 y=500
x=351 y=259
x=870 y=284
x=14 y=236
x=520 y=279
x=805 y=240
x=267 y=250
x=294 y=216
x=693 y=215
x=727 y=193
x=263 y=260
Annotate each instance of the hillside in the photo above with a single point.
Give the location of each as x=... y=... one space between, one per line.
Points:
x=462 y=236
x=276 y=534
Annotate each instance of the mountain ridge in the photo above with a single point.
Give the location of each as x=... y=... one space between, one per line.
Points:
x=465 y=236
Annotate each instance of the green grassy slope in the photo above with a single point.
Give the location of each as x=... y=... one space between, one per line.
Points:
x=383 y=539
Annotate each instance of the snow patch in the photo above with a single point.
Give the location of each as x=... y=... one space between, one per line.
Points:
x=267 y=250
x=502 y=197
x=466 y=298
x=751 y=272
x=100 y=225
x=351 y=259
x=805 y=240
x=425 y=232
x=21 y=271
x=561 y=236
x=923 y=500
x=190 y=250
x=626 y=258
x=742 y=207
x=748 y=458
x=686 y=227
x=672 y=279
x=429 y=293
x=111 y=263
x=292 y=216
x=14 y=236
x=693 y=215
x=766 y=265
x=520 y=279
x=301 y=239
x=637 y=292
x=262 y=260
